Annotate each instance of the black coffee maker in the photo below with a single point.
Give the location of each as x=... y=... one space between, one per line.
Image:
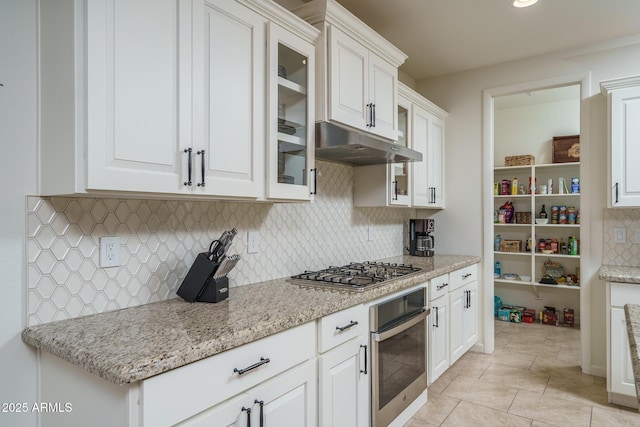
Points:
x=421 y=242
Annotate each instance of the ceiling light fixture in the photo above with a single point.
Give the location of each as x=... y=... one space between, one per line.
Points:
x=524 y=3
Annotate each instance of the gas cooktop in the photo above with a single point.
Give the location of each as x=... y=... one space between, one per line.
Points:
x=356 y=276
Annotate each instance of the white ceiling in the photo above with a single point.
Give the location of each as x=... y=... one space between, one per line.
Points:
x=447 y=36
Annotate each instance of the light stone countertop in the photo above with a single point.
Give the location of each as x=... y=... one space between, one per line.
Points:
x=620 y=274
x=632 y=315
x=131 y=344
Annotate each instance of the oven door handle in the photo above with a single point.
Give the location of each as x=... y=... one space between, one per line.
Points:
x=378 y=337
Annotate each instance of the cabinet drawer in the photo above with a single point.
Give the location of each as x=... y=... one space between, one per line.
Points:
x=188 y=390
x=624 y=293
x=463 y=276
x=438 y=286
x=341 y=327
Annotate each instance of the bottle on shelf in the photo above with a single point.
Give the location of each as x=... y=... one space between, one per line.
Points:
x=543 y=212
x=514 y=186
x=497 y=242
x=497 y=269
x=573 y=245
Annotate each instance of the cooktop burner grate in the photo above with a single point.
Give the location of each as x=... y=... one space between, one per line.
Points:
x=354 y=276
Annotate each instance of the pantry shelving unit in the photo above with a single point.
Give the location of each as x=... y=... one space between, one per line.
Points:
x=529 y=264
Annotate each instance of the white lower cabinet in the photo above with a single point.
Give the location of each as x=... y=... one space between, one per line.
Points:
x=343 y=371
x=288 y=400
x=620 y=379
x=438 y=361
x=464 y=323
x=343 y=386
x=454 y=318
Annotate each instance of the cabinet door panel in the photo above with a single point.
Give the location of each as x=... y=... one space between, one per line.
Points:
x=349 y=80
x=421 y=192
x=436 y=161
x=438 y=339
x=625 y=147
x=622 y=379
x=228 y=414
x=456 y=310
x=134 y=131
x=382 y=93
x=343 y=387
x=289 y=399
x=469 y=319
x=234 y=92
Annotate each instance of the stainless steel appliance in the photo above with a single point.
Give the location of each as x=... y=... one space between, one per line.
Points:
x=398 y=354
x=421 y=242
x=337 y=143
x=356 y=276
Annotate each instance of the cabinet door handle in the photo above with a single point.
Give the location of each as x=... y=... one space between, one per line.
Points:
x=350 y=325
x=188 y=181
x=395 y=190
x=201 y=153
x=365 y=359
x=373 y=115
x=437 y=322
x=263 y=361
x=315 y=181
x=261 y=403
x=440 y=287
x=248 y=411
x=616 y=193
x=369 y=115
x=465 y=276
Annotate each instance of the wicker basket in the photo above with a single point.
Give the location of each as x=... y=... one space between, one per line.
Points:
x=521 y=160
x=511 y=246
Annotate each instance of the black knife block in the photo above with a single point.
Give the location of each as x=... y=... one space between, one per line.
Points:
x=199 y=284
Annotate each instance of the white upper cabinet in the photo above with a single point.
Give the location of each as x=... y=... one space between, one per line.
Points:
x=165 y=96
x=113 y=81
x=290 y=153
x=362 y=86
x=357 y=70
x=624 y=140
x=234 y=99
x=427 y=122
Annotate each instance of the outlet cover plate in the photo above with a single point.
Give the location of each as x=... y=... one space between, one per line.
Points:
x=619 y=235
x=253 y=242
x=109 y=251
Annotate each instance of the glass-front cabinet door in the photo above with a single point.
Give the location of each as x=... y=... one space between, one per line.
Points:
x=290 y=154
x=399 y=175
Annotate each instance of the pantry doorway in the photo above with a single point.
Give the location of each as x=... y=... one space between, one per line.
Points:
x=520 y=124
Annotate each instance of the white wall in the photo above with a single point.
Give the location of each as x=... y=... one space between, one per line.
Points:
x=462 y=96
x=529 y=129
x=18 y=133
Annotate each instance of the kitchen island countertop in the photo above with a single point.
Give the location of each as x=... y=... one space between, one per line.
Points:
x=131 y=344
x=620 y=274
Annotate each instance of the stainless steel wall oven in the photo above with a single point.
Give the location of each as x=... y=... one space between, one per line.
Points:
x=398 y=354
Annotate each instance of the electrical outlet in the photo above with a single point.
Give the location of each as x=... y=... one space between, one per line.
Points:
x=109 y=251
x=369 y=234
x=253 y=242
x=619 y=235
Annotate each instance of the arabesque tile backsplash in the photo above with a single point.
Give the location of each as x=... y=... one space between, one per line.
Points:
x=160 y=238
x=628 y=253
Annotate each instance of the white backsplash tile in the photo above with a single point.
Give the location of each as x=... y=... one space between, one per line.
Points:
x=160 y=238
x=627 y=254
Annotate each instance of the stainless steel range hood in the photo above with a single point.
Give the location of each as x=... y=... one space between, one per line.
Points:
x=337 y=144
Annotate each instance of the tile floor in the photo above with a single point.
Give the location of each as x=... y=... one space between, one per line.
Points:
x=532 y=379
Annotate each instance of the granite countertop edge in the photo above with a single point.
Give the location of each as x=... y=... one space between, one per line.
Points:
x=620 y=274
x=132 y=344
